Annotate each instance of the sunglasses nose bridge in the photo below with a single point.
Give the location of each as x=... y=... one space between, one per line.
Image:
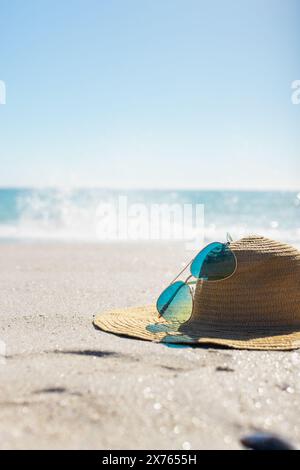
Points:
x=182 y=271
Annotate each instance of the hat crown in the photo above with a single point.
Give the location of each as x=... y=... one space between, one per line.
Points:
x=264 y=290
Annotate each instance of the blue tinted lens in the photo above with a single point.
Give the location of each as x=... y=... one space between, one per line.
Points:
x=175 y=303
x=214 y=262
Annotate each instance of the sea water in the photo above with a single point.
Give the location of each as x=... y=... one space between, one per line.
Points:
x=79 y=215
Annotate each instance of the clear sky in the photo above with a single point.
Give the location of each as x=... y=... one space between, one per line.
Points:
x=150 y=93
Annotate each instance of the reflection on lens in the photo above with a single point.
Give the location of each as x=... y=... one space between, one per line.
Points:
x=213 y=263
x=175 y=303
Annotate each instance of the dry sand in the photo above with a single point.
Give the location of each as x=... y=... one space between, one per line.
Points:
x=66 y=385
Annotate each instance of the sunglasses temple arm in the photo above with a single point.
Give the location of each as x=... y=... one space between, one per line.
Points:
x=182 y=271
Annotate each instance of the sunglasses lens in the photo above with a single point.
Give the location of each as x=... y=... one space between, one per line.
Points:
x=214 y=262
x=175 y=303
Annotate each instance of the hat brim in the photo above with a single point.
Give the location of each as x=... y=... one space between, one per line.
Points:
x=143 y=323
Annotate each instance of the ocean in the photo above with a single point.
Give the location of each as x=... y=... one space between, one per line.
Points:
x=92 y=215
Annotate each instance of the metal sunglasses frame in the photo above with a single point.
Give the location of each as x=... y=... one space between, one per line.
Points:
x=190 y=283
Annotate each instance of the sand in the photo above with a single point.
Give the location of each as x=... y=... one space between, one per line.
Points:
x=65 y=384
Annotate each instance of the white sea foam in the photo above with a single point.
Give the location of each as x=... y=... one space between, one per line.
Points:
x=95 y=215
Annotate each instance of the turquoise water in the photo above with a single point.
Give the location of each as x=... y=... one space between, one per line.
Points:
x=48 y=214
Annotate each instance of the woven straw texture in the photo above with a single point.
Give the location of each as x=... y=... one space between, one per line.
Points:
x=256 y=308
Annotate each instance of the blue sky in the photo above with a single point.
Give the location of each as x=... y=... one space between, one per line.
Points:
x=150 y=93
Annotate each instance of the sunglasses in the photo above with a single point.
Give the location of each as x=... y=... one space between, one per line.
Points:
x=215 y=262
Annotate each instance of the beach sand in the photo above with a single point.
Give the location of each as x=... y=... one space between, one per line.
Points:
x=65 y=384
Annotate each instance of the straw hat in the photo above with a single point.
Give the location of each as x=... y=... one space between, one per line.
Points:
x=258 y=307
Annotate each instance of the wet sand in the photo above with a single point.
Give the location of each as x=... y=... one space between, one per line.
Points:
x=65 y=384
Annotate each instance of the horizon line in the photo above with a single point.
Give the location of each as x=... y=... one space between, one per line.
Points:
x=120 y=188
